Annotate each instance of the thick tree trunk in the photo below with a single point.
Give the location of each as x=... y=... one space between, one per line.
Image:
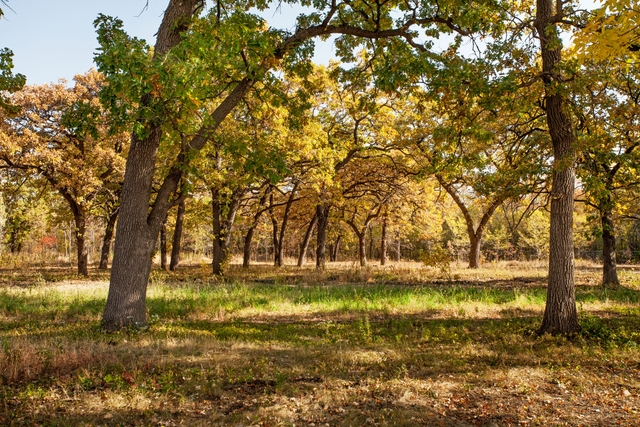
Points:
x=136 y=231
x=80 y=230
x=560 y=315
x=106 y=241
x=177 y=237
x=305 y=241
x=383 y=241
x=610 y=273
x=474 y=250
x=362 y=248
x=322 y=212
x=163 y=245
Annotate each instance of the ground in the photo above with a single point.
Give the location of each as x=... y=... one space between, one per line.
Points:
x=402 y=345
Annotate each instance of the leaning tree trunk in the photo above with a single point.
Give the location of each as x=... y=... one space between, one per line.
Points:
x=322 y=212
x=80 y=230
x=610 y=273
x=106 y=241
x=177 y=237
x=163 y=245
x=283 y=228
x=560 y=315
x=304 y=246
x=135 y=232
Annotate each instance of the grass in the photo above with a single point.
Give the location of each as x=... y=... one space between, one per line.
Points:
x=394 y=346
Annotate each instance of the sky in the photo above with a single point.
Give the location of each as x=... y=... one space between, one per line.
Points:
x=54 y=39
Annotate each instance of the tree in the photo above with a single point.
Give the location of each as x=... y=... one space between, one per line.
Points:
x=608 y=108
x=61 y=134
x=560 y=315
x=221 y=55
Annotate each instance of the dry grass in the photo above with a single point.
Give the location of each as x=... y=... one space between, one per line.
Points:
x=380 y=346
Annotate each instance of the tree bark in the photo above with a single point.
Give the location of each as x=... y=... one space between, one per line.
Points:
x=322 y=213
x=223 y=226
x=80 y=230
x=177 y=237
x=610 y=273
x=383 y=241
x=246 y=253
x=304 y=246
x=106 y=241
x=335 y=248
x=362 y=248
x=137 y=230
x=283 y=227
x=163 y=245
x=474 y=250
x=560 y=315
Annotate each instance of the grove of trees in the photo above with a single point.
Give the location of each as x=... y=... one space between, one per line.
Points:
x=482 y=130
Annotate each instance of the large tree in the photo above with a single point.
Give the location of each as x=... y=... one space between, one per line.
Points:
x=221 y=55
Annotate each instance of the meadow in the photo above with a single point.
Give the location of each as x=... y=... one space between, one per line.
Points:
x=402 y=345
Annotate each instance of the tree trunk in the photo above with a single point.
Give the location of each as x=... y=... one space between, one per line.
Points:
x=285 y=221
x=362 y=248
x=80 y=230
x=560 y=315
x=136 y=233
x=246 y=253
x=305 y=241
x=398 y=249
x=474 y=250
x=322 y=212
x=223 y=227
x=218 y=238
x=163 y=245
x=177 y=237
x=610 y=274
x=335 y=248
x=106 y=241
x=383 y=241
x=275 y=234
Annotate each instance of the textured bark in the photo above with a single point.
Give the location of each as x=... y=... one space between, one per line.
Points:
x=609 y=273
x=177 y=237
x=136 y=230
x=304 y=246
x=560 y=315
x=163 y=245
x=106 y=241
x=322 y=213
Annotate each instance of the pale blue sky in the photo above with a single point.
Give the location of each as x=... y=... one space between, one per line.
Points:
x=53 y=39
